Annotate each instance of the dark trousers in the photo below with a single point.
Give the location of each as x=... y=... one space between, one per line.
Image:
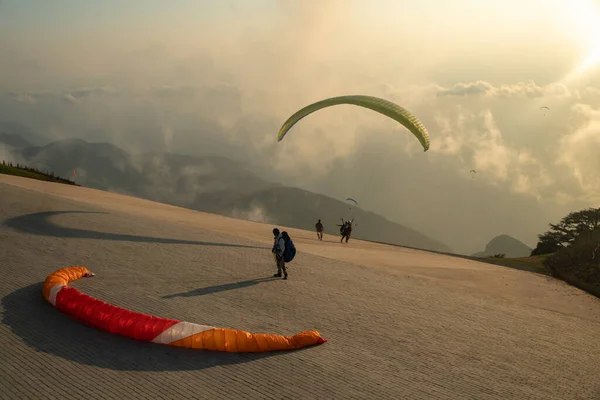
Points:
x=281 y=266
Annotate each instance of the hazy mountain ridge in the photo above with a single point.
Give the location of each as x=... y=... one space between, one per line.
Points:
x=212 y=184
x=507 y=245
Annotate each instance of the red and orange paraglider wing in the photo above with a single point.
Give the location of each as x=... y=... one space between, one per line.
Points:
x=99 y=314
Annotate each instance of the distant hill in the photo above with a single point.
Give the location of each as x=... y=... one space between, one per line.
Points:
x=506 y=245
x=212 y=184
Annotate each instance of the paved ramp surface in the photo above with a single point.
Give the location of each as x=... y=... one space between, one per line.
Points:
x=401 y=323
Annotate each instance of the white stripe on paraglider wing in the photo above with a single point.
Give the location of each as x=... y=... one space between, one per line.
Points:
x=53 y=292
x=180 y=331
x=200 y=328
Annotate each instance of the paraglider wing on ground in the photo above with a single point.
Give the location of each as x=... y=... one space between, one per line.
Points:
x=99 y=314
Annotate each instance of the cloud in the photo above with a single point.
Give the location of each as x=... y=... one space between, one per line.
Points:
x=23 y=97
x=520 y=89
x=9 y=154
x=174 y=91
x=70 y=96
x=475 y=141
x=256 y=213
x=579 y=152
x=86 y=92
x=464 y=89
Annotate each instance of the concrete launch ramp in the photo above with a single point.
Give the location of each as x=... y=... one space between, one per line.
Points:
x=400 y=323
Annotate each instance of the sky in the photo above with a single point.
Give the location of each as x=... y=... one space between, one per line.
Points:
x=205 y=77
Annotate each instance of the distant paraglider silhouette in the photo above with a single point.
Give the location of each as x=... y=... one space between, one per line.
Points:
x=352 y=200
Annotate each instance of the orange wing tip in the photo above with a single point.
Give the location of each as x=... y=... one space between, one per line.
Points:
x=308 y=338
x=62 y=277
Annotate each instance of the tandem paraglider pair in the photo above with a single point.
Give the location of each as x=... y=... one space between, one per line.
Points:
x=346 y=230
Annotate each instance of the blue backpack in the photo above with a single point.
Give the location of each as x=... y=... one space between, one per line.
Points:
x=290 y=250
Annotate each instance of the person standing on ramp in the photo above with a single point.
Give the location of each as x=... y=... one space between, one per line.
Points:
x=278 y=250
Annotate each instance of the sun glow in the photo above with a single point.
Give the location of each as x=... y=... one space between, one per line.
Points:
x=590 y=61
x=583 y=18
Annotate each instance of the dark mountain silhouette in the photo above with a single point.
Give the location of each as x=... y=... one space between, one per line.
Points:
x=212 y=184
x=506 y=245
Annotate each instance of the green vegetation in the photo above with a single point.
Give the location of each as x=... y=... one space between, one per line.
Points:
x=571 y=250
x=531 y=263
x=33 y=173
x=563 y=235
x=579 y=262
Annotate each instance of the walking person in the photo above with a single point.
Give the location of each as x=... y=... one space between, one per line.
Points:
x=319 y=228
x=278 y=250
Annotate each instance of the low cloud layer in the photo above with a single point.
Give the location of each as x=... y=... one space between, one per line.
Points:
x=520 y=89
x=74 y=96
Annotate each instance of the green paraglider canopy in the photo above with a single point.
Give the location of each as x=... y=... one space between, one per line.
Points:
x=382 y=106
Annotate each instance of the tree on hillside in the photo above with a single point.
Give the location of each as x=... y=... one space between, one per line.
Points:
x=569 y=228
x=549 y=243
x=579 y=261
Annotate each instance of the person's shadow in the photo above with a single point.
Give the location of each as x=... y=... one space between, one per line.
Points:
x=220 y=288
x=39 y=224
x=45 y=329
